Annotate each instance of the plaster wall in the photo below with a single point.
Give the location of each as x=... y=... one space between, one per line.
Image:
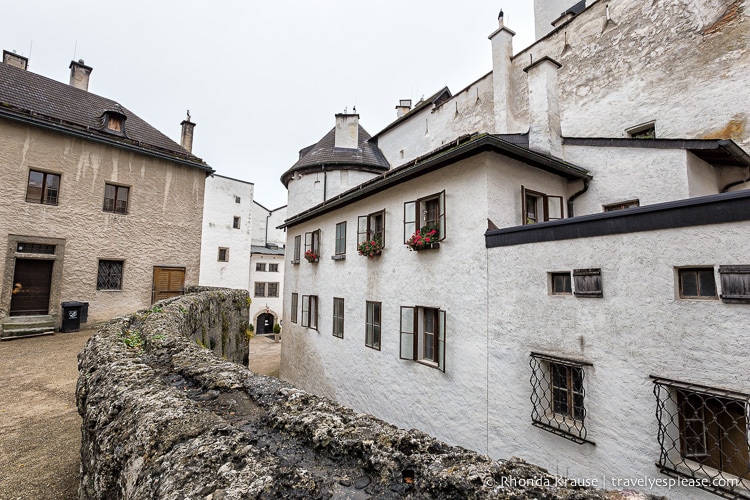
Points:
x=639 y=328
x=162 y=227
x=277 y=218
x=260 y=305
x=546 y=11
x=405 y=392
x=470 y=110
x=259 y=216
x=703 y=178
x=307 y=191
x=220 y=209
x=265 y=223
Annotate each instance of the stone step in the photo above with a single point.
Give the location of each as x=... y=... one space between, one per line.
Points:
x=23 y=326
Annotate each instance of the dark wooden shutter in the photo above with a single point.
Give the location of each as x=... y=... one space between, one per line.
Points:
x=588 y=282
x=32 y=280
x=735 y=284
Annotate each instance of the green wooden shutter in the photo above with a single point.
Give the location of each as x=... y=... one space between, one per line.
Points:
x=408 y=345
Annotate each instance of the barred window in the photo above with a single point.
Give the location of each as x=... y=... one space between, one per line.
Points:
x=703 y=434
x=109 y=275
x=557 y=396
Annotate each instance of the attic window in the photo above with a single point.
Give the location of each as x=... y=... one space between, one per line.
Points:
x=642 y=131
x=114 y=122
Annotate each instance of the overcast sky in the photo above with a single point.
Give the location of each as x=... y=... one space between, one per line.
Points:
x=262 y=80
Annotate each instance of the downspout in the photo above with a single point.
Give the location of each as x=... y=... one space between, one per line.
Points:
x=265 y=242
x=737 y=183
x=325 y=183
x=576 y=195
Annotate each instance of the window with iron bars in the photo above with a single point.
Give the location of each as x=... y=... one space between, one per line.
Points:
x=557 y=396
x=703 y=435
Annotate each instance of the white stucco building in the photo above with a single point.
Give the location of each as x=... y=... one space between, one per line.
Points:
x=267 y=268
x=584 y=296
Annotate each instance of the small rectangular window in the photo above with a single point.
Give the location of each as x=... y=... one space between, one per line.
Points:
x=260 y=289
x=341 y=238
x=557 y=396
x=697 y=283
x=372 y=325
x=622 y=205
x=540 y=207
x=116 y=199
x=109 y=275
x=312 y=246
x=310 y=311
x=297 y=247
x=237 y=199
x=371 y=228
x=588 y=283
x=560 y=284
x=338 y=317
x=236 y=223
x=273 y=290
x=642 y=131
x=735 y=284
x=223 y=254
x=43 y=188
x=293 y=312
x=425 y=219
x=273 y=268
x=35 y=248
x=423 y=335
x=260 y=266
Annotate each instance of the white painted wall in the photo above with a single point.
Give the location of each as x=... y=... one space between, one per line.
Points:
x=260 y=305
x=307 y=191
x=219 y=211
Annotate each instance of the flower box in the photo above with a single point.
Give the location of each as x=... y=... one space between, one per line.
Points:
x=424 y=239
x=370 y=248
x=431 y=246
x=311 y=256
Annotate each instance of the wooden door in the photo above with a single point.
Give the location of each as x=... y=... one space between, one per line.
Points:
x=168 y=282
x=32 y=280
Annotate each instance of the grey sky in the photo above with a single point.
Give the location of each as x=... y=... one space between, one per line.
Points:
x=262 y=79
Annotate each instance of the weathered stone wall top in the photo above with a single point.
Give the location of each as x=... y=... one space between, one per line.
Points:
x=165 y=418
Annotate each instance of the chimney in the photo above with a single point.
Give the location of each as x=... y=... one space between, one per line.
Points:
x=502 y=52
x=404 y=106
x=13 y=59
x=544 y=111
x=347 y=131
x=187 y=133
x=79 y=74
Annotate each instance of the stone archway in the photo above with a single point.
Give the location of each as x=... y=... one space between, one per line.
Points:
x=264 y=324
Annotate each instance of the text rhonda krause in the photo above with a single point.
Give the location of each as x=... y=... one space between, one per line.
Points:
x=617 y=482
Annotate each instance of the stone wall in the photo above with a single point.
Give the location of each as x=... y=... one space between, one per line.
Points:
x=166 y=418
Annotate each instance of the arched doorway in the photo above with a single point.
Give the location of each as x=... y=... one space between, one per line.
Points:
x=264 y=324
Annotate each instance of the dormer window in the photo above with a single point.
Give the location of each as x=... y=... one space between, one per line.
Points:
x=114 y=122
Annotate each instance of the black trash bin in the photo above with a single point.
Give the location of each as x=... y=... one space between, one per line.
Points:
x=71 y=319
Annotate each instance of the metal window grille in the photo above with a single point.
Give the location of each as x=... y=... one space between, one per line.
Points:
x=109 y=276
x=35 y=248
x=557 y=396
x=703 y=435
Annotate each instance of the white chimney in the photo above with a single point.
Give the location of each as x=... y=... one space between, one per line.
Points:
x=404 y=106
x=186 y=140
x=502 y=52
x=13 y=59
x=79 y=74
x=545 y=134
x=347 y=131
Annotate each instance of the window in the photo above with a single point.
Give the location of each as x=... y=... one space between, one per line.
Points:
x=425 y=215
x=735 y=284
x=116 y=199
x=312 y=245
x=371 y=228
x=539 y=207
x=588 y=283
x=43 y=188
x=703 y=434
x=338 y=318
x=237 y=199
x=273 y=268
x=341 y=238
x=622 y=206
x=297 y=245
x=260 y=289
x=273 y=290
x=109 y=275
x=293 y=313
x=260 y=266
x=372 y=325
x=560 y=284
x=223 y=254
x=35 y=248
x=557 y=396
x=423 y=335
x=235 y=223
x=310 y=311
x=114 y=121
x=643 y=131
x=697 y=283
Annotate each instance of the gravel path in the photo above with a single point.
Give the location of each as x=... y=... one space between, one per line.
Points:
x=40 y=429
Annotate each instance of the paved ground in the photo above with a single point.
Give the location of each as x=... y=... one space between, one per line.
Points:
x=40 y=433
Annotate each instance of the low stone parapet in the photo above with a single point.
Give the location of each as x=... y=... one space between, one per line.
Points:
x=164 y=416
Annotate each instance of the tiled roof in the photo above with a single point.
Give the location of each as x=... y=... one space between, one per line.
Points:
x=366 y=155
x=34 y=98
x=259 y=249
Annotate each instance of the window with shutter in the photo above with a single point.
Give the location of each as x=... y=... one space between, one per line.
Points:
x=423 y=335
x=540 y=207
x=423 y=217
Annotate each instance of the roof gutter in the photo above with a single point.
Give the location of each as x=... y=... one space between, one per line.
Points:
x=64 y=130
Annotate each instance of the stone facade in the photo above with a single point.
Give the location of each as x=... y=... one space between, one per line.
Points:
x=501 y=327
